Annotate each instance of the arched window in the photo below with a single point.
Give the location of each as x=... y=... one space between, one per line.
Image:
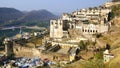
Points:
x=105 y=20
x=83 y=30
x=93 y=31
x=68 y=33
x=96 y=31
x=72 y=26
x=52 y=23
x=90 y=30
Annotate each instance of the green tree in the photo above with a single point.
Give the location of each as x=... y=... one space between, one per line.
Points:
x=116 y=10
x=82 y=45
x=99 y=55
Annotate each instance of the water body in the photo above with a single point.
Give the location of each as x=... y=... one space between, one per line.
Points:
x=12 y=32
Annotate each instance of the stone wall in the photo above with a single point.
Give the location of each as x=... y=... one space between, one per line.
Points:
x=55 y=56
x=93 y=29
x=74 y=33
x=65 y=44
x=21 y=51
x=103 y=28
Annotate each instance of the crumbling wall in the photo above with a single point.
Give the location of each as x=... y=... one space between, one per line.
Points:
x=55 y=56
x=74 y=33
x=21 y=51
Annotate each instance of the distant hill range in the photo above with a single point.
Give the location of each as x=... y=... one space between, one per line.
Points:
x=115 y=0
x=14 y=17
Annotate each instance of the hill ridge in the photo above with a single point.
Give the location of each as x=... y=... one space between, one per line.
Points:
x=14 y=17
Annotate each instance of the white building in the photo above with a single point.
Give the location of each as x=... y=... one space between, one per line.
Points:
x=107 y=56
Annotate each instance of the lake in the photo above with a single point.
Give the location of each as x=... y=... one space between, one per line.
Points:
x=12 y=32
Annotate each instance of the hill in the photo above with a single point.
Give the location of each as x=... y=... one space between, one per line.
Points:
x=113 y=39
x=9 y=14
x=14 y=17
x=115 y=0
x=38 y=15
x=40 y=18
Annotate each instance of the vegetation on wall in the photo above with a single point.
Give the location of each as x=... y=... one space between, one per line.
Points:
x=82 y=45
x=116 y=10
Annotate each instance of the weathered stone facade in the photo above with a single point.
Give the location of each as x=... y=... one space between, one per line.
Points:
x=92 y=29
x=55 y=56
x=96 y=19
x=21 y=51
x=56 y=29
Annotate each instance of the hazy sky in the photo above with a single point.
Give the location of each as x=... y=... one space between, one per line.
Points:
x=57 y=6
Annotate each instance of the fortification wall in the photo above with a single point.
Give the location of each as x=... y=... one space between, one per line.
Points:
x=20 y=51
x=55 y=56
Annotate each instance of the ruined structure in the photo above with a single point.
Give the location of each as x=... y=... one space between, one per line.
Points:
x=66 y=33
x=80 y=23
x=70 y=29
x=13 y=49
x=56 y=30
x=8 y=47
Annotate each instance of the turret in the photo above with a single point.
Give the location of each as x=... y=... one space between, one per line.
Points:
x=8 y=47
x=56 y=29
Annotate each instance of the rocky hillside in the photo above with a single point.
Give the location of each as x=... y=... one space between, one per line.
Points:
x=111 y=38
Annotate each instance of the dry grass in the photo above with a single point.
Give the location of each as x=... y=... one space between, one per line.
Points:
x=86 y=64
x=113 y=38
x=36 y=41
x=114 y=63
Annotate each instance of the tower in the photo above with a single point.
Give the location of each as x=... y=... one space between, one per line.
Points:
x=56 y=29
x=8 y=47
